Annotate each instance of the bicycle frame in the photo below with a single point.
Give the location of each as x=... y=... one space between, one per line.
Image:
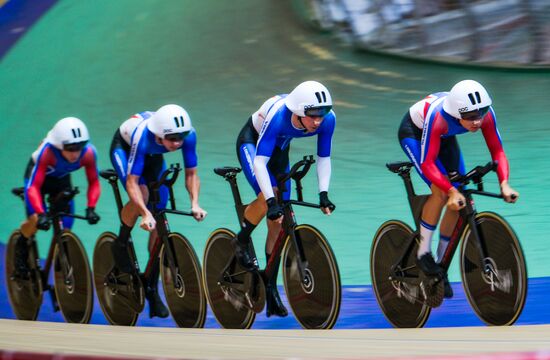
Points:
x=467 y=215
x=289 y=220
x=57 y=225
x=163 y=228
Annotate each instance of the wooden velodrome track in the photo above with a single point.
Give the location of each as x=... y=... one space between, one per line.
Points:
x=515 y=342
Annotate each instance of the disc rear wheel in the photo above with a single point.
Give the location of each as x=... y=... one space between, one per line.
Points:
x=25 y=295
x=399 y=300
x=220 y=271
x=120 y=295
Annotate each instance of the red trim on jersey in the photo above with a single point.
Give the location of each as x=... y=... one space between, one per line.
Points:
x=46 y=159
x=429 y=167
x=94 y=189
x=494 y=144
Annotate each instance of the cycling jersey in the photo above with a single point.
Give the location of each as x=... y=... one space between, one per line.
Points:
x=272 y=122
x=134 y=150
x=49 y=164
x=436 y=124
x=143 y=142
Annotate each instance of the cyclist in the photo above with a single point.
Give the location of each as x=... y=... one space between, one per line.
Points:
x=428 y=136
x=263 y=151
x=136 y=153
x=65 y=149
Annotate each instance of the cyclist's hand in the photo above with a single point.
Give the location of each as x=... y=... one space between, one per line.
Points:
x=327 y=206
x=92 y=216
x=43 y=222
x=274 y=210
x=148 y=222
x=198 y=213
x=510 y=195
x=456 y=200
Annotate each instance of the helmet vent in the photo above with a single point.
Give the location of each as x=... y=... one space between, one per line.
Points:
x=178 y=121
x=473 y=100
x=76 y=133
x=319 y=95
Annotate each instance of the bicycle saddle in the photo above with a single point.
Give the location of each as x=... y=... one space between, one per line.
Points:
x=398 y=166
x=226 y=170
x=18 y=191
x=108 y=174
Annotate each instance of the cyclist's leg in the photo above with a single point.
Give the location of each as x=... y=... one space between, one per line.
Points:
x=153 y=169
x=28 y=227
x=54 y=187
x=278 y=164
x=119 y=156
x=410 y=138
x=128 y=216
x=256 y=210
x=452 y=160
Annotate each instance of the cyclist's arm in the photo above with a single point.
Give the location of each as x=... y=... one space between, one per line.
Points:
x=45 y=158
x=193 y=185
x=494 y=143
x=189 y=150
x=89 y=161
x=264 y=150
x=431 y=142
x=135 y=195
x=324 y=147
x=324 y=170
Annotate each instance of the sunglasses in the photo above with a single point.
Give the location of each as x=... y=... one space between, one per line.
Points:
x=176 y=136
x=75 y=147
x=474 y=114
x=320 y=111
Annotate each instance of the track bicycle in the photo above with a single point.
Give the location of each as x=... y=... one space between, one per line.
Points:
x=72 y=289
x=122 y=295
x=310 y=272
x=492 y=264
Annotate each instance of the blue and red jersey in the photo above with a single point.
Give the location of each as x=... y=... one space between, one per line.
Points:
x=48 y=161
x=428 y=114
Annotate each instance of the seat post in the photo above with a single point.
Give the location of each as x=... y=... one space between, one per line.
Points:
x=118 y=198
x=239 y=207
x=406 y=176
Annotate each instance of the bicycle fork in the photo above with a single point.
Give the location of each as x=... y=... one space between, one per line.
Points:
x=491 y=275
x=302 y=262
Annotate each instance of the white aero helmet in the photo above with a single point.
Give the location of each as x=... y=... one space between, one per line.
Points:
x=467 y=100
x=310 y=98
x=69 y=134
x=170 y=122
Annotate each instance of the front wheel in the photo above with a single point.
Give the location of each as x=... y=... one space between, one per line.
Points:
x=73 y=279
x=184 y=291
x=222 y=276
x=497 y=286
x=315 y=300
x=120 y=295
x=399 y=300
x=25 y=295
